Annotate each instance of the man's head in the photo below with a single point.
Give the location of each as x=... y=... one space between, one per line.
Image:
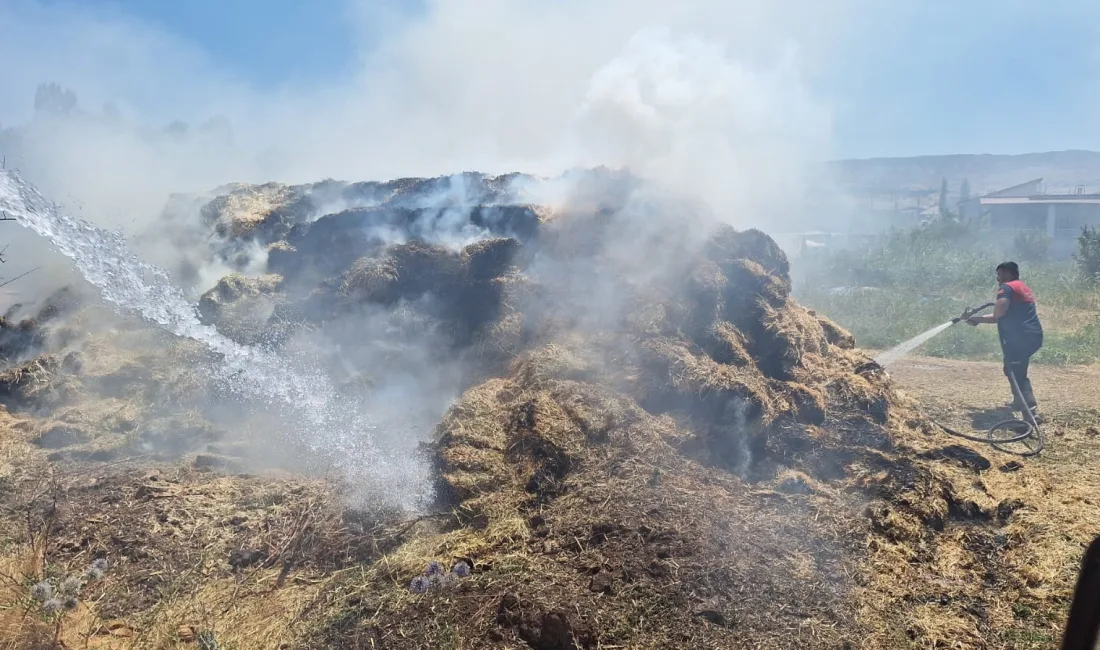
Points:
x=1007 y=272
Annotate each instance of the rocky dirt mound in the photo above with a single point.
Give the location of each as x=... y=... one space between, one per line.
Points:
x=654 y=446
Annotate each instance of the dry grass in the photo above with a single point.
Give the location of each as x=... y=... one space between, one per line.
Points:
x=489 y=258
x=246 y=206
x=834 y=334
x=1003 y=578
x=171 y=539
x=14 y=451
x=673 y=366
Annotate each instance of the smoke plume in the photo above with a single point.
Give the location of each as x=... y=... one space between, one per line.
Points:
x=712 y=106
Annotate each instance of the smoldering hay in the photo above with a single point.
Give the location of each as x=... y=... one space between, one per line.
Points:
x=632 y=432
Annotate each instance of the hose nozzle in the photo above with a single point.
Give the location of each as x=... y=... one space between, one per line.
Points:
x=970 y=311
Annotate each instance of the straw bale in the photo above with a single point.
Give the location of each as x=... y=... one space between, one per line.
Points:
x=489 y=258
x=371 y=280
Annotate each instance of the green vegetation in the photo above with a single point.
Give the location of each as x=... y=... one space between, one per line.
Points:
x=914 y=280
x=1088 y=255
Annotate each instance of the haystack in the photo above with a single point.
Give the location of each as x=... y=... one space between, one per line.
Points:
x=264 y=211
x=16 y=339
x=701 y=464
x=489 y=258
x=371 y=280
x=601 y=461
x=424 y=268
x=835 y=334
x=241 y=307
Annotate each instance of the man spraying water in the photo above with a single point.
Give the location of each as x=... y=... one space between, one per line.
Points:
x=1018 y=327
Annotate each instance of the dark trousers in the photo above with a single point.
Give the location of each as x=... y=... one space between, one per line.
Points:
x=1017 y=357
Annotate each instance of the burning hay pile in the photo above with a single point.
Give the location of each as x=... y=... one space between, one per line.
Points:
x=660 y=485
x=654 y=445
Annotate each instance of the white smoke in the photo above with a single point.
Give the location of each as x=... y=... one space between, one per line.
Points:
x=709 y=98
x=681 y=111
x=712 y=100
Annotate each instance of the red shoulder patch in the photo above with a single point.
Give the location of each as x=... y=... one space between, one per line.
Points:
x=1022 y=290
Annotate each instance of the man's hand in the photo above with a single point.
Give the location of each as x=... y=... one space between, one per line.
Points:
x=974 y=321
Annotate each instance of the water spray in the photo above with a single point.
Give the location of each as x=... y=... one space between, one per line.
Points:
x=902 y=349
x=316 y=418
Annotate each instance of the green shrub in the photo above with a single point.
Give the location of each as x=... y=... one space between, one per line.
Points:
x=1031 y=246
x=1088 y=254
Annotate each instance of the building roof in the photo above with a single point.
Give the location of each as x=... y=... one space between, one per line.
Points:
x=1017 y=191
x=1015 y=194
x=1042 y=199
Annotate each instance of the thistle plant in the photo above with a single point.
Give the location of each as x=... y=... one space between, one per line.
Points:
x=52 y=606
x=95 y=570
x=461 y=569
x=42 y=591
x=434 y=577
x=70 y=586
x=54 y=600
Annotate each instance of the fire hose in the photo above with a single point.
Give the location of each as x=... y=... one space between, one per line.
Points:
x=1022 y=430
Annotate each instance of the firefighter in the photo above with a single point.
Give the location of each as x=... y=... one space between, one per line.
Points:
x=1018 y=328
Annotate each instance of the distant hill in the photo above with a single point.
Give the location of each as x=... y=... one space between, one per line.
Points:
x=1061 y=170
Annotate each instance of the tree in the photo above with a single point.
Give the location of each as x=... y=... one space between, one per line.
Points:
x=1088 y=253
x=52 y=99
x=965 y=212
x=943 y=198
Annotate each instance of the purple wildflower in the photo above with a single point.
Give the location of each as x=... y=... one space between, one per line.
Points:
x=435 y=569
x=42 y=591
x=93 y=574
x=461 y=569
x=420 y=584
x=70 y=603
x=100 y=564
x=71 y=586
x=52 y=606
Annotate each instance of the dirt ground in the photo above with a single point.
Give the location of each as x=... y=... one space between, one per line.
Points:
x=1061 y=390
x=1060 y=487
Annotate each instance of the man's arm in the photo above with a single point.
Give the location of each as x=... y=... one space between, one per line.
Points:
x=1000 y=308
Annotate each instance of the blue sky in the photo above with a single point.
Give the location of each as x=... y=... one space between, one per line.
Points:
x=915 y=77
x=265 y=41
x=974 y=77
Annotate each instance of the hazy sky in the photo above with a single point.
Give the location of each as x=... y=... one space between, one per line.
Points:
x=903 y=77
